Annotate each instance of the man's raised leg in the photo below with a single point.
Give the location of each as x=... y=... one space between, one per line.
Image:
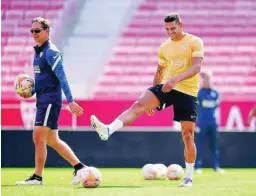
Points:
x=145 y=103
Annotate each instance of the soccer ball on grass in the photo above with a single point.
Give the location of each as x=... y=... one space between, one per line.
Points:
x=91 y=177
x=175 y=172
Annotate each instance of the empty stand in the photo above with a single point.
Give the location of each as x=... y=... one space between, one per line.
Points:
x=17 y=43
x=228 y=29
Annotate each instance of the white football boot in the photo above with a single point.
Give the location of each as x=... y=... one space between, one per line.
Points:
x=78 y=176
x=186 y=182
x=32 y=180
x=101 y=128
x=198 y=171
x=219 y=170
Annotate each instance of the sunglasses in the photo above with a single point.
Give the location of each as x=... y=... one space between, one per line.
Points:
x=36 y=30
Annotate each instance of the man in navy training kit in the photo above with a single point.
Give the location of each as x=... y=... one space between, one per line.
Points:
x=208 y=99
x=50 y=78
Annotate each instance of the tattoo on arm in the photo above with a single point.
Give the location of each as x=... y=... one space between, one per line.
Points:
x=159 y=76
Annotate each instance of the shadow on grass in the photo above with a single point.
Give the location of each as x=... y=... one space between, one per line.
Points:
x=121 y=186
x=99 y=187
x=8 y=185
x=80 y=187
x=31 y=185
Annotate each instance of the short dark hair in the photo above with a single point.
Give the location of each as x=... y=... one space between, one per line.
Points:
x=172 y=17
x=44 y=22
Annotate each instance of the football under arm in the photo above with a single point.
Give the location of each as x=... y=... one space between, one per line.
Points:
x=159 y=75
x=193 y=70
x=55 y=61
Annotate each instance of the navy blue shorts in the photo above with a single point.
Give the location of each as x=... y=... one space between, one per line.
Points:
x=184 y=105
x=47 y=115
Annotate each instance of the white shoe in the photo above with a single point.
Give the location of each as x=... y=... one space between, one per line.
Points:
x=219 y=170
x=186 y=182
x=78 y=176
x=198 y=171
x=32 y=180
x=101 y=128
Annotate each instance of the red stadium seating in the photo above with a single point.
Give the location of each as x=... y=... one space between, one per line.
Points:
x=228 y=29
x=17 y=44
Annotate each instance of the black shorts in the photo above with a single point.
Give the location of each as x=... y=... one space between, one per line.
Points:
x=47 y=115
x=184 y=106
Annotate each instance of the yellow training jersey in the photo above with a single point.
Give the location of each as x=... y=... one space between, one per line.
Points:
x=177 y=57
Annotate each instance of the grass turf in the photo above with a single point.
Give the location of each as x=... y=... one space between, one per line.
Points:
x=129 y=182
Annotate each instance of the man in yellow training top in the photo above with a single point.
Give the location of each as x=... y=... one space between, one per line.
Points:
x=176 y=83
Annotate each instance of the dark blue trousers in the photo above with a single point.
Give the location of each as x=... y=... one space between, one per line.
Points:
x=207 y=133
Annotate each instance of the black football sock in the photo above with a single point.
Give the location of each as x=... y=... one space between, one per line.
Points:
x=37 y=177
x=78 y=166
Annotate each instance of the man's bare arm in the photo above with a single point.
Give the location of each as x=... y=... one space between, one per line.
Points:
x=193 y=70
x=159 y=75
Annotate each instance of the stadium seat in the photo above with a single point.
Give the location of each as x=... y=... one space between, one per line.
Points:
x=17 y=44
x=226 y=27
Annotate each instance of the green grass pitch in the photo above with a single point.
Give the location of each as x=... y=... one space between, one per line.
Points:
x=129 y=182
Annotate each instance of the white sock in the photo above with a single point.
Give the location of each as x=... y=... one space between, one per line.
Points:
x=115 y=125
x=189 y=170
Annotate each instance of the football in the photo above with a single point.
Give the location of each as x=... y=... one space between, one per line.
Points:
x=174 y=172
x=161 y=171
x=91 y=177
x=24 y=84
x=149 y=172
